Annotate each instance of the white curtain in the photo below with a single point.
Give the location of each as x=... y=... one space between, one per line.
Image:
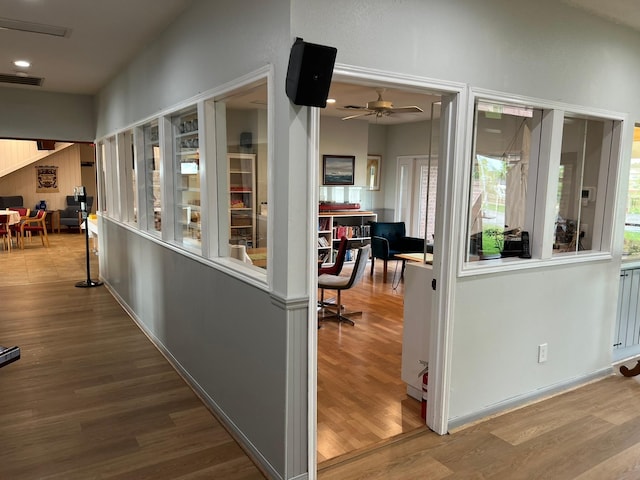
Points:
x=516 y=188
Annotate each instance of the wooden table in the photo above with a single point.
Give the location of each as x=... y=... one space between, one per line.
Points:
x=416 y=257
x=258 y=256
x=413 y=257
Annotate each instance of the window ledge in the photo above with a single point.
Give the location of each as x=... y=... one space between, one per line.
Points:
x=510 y=264
x=247 y=273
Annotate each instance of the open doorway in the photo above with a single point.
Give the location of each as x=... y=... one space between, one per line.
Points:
x=362 y=396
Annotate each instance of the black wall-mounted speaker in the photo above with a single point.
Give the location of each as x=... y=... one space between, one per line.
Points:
x=309 y=73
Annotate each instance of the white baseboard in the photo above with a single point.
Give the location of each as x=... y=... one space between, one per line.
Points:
x=526 y=399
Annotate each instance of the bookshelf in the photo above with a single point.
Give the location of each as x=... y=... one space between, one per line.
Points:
x=352 y=224
x=242 y=199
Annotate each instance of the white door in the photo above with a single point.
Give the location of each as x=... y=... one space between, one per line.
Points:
x=416 y=195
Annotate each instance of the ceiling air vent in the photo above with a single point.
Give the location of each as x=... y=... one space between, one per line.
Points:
x=11 y=24
x=21 y=79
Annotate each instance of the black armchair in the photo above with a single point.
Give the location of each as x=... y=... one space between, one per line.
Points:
x=389 y=239
x=71 y=216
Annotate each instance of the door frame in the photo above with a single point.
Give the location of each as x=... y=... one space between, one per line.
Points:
x=453 y=97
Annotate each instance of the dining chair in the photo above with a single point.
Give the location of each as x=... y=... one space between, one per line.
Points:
x=5 y=231
x=15 y=228
x=34 y=225
x=344 y=282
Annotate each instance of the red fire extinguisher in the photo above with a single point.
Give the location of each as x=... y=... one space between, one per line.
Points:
x=425 y=382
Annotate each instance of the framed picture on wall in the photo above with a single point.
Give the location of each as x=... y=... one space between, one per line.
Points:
x=373 y=172
x=338 y=169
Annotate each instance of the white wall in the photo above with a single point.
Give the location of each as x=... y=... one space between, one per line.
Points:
x=29 y=114
x=548 y=51
x=406 y=139
x=344 y=138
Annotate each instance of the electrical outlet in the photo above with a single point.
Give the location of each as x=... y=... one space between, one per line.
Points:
x=542 y=352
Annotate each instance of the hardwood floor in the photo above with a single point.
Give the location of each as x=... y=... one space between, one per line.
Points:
x=591 y=433
x=91 y=397
x=361 y=397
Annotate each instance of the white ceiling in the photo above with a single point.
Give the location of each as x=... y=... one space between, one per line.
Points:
x=106 y=34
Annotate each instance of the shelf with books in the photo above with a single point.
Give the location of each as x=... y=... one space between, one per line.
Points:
x=355 y=225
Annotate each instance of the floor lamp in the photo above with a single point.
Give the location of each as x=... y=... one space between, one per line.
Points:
x=80 y=195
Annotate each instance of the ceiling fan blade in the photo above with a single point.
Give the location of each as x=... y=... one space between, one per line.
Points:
x=407 y=109
x=359 y=115
x=353 y=107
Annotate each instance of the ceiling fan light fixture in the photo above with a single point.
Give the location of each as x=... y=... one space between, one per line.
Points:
x=22 y=63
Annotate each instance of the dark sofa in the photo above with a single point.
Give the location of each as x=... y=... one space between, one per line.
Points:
x=11 y=201
x=70 y=217
x=389 y=239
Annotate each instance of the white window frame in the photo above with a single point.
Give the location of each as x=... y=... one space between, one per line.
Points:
x=125 y=175
x=214 y=251
x=543 y=221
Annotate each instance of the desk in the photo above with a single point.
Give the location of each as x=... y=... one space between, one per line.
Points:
x=416 y=257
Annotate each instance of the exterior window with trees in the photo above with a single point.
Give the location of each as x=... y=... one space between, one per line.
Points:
x=632 y=220
x=542 y=183
x=502 y=171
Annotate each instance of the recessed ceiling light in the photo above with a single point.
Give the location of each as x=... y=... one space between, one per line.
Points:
x=22 y=63
x=331 y=100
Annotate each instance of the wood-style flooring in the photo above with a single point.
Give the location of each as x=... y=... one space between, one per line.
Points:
x=361 y=398
x=91 y=397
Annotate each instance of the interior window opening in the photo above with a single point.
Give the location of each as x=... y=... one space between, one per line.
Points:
x=580 y=160
x=243 y=211
x=501 y=203
x=187 y=214
x=151 y=158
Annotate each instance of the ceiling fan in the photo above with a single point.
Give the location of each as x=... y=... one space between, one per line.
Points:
x=380 y=108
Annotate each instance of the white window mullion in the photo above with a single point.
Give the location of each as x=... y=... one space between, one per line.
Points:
x=166 y=179
x=547 y=194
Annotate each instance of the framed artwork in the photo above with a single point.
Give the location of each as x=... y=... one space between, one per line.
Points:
x=338 y=169
x=373 y=172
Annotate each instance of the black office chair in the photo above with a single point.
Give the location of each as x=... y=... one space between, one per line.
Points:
x=343 y=282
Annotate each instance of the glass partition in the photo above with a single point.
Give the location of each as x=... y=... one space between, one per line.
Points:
x=501 y=205
x=243 y=155
x=187 y=179
x=152 y=164
x=582 y=150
